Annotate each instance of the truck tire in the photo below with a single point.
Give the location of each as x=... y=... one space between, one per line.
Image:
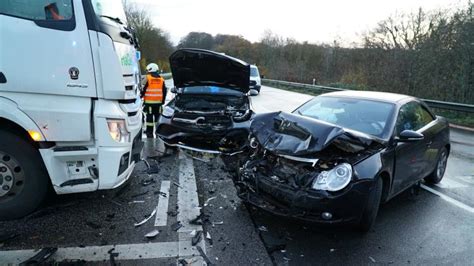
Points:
x=370 y=213
x=23 y=177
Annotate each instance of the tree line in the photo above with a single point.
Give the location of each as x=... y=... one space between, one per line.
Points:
x=425 y=54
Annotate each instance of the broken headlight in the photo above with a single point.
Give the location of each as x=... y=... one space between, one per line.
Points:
x=168 y=112
x=334 y=179
x=240 y=116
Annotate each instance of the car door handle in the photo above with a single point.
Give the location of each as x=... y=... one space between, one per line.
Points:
x=3 y=79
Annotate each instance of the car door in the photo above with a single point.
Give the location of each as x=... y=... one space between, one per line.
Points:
x=410 y=157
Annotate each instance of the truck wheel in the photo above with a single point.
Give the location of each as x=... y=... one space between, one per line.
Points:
x=437 y=175
x=23 y=177
x=372 y=208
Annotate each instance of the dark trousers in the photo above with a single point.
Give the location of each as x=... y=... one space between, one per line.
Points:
x=152 y=112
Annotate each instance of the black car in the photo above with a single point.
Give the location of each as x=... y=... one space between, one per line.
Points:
x=211 y=110
x=338 y=156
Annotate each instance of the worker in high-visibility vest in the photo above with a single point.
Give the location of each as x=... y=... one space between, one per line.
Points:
x=154 y=92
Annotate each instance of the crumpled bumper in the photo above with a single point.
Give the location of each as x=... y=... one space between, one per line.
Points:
x=345 y=206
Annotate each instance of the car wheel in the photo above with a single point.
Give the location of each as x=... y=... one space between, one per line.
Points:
x=437 y=175
x=23 y=177
x=370 y=212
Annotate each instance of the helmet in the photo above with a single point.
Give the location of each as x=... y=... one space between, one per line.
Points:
x=152 y=68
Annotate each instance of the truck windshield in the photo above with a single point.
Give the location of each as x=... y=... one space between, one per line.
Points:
x=112 y=9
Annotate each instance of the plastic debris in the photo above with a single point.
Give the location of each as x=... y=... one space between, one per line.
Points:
x=146 y=219
x=262 y=228
x=163 y=194
x=332 y=250
x=148 y=182
x=152 y=234
x=217 y=223
x=136 y=202
x=199 y=220
x=372 y=259
x=176 y=226
x=204 y=256
x=40 y=257
x=178 y=185
x=208 y=200
x=208 y=237
x=197 y=238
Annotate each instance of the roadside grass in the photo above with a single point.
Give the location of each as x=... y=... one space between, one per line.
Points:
x=454 y=117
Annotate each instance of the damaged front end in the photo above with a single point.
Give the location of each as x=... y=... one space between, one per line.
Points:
x=207 y=123
x=304 y=168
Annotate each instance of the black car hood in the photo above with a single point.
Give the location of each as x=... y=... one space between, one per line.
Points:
x=290 y=134
x=196 y=67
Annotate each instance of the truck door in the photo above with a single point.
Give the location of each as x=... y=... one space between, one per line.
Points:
x=44 y=51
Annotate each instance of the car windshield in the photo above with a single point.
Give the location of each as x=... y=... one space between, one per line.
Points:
x=367 y=116
x=110 y=8
x=210 y=90
x=254 y=72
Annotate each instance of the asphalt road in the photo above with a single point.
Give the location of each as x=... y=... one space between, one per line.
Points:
x=434 y=227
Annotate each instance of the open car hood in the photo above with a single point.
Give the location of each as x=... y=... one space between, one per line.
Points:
x=289 y=134
x=196 y=67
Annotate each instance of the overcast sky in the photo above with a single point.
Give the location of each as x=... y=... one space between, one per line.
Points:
x=316 y=21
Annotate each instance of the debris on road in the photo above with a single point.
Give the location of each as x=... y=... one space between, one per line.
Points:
x=200 y=219
x=204 y=256
x=332 y=250
x=148 y=182
x=217 y=223
x=262 y=228
x=176 y=226
x=136 y=202
x=40 y=257
x=208 y=200
x=178 y=185
x=163 y=194
x=197 y=238
x=152 y=234
x=112 y=256
x=146 y=219
x=208 y=237
x=372 y=259
x=173 y=213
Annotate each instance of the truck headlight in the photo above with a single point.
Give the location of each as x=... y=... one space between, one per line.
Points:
x=334 y=179
x=168 y=112
x=118 y=130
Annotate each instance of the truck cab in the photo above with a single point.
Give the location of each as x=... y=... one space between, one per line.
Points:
x=70 y=107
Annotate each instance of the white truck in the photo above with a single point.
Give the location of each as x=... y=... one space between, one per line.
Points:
x=70 y=107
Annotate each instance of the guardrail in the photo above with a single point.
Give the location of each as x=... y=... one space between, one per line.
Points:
x=461 y=107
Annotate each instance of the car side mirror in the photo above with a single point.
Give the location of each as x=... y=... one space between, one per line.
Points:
x=174 y=90
x=409 y=136
x=262 y=76
x=253 y=92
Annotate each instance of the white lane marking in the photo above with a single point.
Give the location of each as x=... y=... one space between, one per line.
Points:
x=449 y=199
x=162 y=208
x=450 y=184
x=188 y=202
x=100 y=253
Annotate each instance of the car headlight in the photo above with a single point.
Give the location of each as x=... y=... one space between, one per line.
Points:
x=334 y=179
x=168 y=112
x=118 y=130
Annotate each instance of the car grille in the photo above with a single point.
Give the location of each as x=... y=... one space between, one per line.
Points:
x=213 y=120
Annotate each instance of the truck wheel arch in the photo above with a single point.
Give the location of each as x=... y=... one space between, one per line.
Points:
x=16 y=121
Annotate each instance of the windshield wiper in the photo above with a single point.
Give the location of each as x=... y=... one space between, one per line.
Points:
x=116 y=19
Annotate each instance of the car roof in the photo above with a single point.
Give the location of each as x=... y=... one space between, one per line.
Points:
x=372 y=95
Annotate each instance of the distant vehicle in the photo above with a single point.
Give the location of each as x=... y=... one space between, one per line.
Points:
x=70 y=106
x=338 y=156
x=255 y=80
x=211 y=110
